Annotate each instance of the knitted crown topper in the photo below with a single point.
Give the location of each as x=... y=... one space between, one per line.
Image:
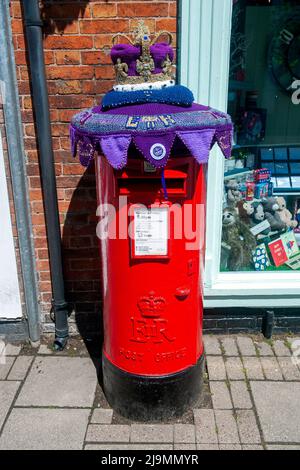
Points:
x=143 y=60
x=146 y=109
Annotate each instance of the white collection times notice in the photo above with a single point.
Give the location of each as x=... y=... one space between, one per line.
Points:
x=151 y=231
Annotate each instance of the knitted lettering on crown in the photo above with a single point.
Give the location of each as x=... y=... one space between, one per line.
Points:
x=143 y=60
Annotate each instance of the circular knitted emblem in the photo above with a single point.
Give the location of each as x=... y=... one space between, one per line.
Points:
x=158 y=151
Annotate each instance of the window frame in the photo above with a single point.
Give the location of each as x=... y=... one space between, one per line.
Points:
x=204 y=56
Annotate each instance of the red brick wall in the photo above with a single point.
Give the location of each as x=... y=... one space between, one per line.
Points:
x=77 y=39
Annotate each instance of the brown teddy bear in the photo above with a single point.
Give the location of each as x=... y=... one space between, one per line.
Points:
x=237 y=236
x=284 y=214
x=272 y=214
x=245 y=210
x=257 y=218
x=234 y=195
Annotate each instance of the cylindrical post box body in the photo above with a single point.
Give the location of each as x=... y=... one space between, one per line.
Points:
x=152 y=260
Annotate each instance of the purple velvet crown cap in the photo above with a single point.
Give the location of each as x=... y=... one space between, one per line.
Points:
x=129 y=54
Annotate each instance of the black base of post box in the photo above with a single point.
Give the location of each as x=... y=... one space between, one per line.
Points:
x=144 y=398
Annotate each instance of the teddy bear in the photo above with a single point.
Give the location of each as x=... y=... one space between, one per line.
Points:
x=245 y=211
x=237 y=236
x=271 y=209
x=233 y=193
x=284 y=214
x=258 y=217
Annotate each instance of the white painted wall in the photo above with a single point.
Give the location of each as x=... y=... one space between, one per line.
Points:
x=10 y=302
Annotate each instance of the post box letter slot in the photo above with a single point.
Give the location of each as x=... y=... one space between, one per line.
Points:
x=175 y=186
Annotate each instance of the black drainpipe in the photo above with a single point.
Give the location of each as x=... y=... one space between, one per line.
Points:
x=33 y=27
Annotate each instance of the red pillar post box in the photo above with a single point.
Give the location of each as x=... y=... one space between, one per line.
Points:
x=151 y=143
x=152 y=261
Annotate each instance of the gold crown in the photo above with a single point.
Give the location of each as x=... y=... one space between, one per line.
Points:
x=151 y=306
x=145 y=65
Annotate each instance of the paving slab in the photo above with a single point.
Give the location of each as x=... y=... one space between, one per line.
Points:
x=271 y=368
x=220 y=396
x=45 y=349
x=206 y=431
x=294 y=342
x=295 y=349
x=282 y=447
x=208 y=447
x=129 y=447
x=252 y=447
x=289 y=370
x=227 y=427
x=234 y=368
x=108 y=433
x=281 y=349
x=278 y=408
x=212 y=345
x=216 y=368
x=185 y=446
x=59 y=381
x=291 y=339
x=5 y=368
x=155 y=433
x=44 y=429
x=264 y=349
x=246 y=346
x=247 y=425
x=253 y=368
x=102 y=416
x=230 y=447
x=240 y=395
x=229 y=347
x=12 y=349
x=184 y=434
x=20 y=368
x=8 y=392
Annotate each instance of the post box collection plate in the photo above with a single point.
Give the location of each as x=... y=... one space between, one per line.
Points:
x=151 y=232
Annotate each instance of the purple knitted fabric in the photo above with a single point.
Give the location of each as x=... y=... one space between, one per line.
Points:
x=150 y=109
x=159 y=52
x=198 y=142
x=115 y=149
x=152 y=128
x=129 y=54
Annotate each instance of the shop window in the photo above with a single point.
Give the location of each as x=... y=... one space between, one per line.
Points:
x=261 y=202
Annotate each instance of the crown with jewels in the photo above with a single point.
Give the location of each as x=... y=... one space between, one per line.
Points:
x=142 y=59
x=151 y=306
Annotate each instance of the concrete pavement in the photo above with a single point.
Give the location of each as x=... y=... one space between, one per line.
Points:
x=251 y=400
